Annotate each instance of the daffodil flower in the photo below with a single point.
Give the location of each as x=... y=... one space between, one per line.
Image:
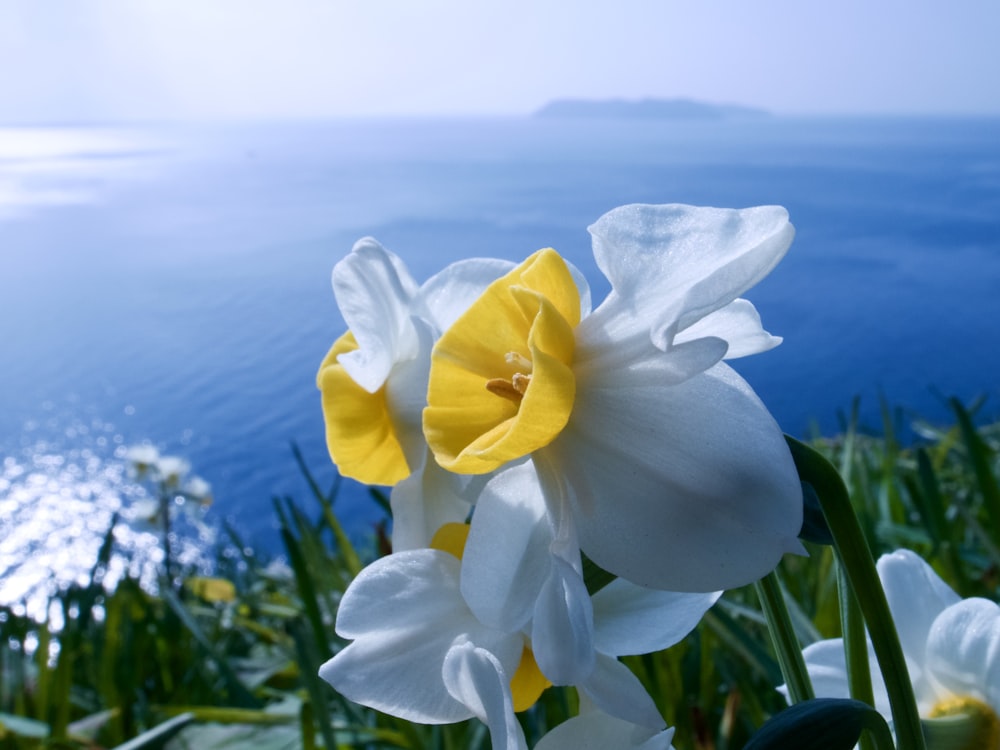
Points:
x=668 y=467
x=374 y=379
x=420 y=652
x=951 y=646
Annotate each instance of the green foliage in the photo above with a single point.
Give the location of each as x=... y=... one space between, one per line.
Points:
x=209 y=665
x=822 y=724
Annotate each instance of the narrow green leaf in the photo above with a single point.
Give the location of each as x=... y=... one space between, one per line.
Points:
x=786 y=644
x=854 y=553
x=855 y=639
x=237 y=689
x=381 y=499
x=306 y=587
x=219 y=715
x=158 y=734
x=980 y=459
x=317 y=689
x=347 y=551
x=739 y=640
x=23 y=726
x=927 y=498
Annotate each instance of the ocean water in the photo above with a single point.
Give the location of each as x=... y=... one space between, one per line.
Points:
x=171 y=285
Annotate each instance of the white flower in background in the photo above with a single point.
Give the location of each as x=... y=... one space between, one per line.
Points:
x=669 y=468
x=172 y=470
x=595 y=730
x=142 y=456
x=951 y=645
x=374 y=380
x=199 y=490
x=419 y=651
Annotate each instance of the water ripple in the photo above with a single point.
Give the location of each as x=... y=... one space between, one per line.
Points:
x=57 y=505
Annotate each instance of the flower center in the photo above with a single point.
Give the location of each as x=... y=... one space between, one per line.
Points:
x=516 y=342
x=962 y=723
x=515 y=388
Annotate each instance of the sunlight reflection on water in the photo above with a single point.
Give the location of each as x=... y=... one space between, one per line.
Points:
x=57 y=504
x=60 y=166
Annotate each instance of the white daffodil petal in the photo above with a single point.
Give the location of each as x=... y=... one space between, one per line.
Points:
x=562 y=629
x=374 y=291
x=447 y=294
x=738 y=324
x=399 y=674
x=601 y=364
x=477 y=679
x=684 y=488
x=963 y=650
x=407 y=587
x=583 y=287
x=696 y=259
x=506 y=560
x=630 y=619
x=903 y=573
x=424 y=502
x=825 y=662
x=595 y=730
x=406 y=393
x=405 y=612
x=617 y=691
x=827 y=668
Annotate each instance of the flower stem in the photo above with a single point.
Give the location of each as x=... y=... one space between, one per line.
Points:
x=786 y=644
x=852 y=625
x=877 y=737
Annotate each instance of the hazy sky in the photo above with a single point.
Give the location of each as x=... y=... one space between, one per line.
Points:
x=65 y=60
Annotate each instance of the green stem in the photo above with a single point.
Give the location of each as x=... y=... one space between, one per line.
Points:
x=859 y=565
x=165 y=509
x=786 y=644
x=878 y=735
x=852 y=625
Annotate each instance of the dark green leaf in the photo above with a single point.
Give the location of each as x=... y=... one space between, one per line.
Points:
x=818 y=724
x=814 y=528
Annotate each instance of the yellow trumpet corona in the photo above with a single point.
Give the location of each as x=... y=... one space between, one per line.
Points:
x=501 y=379
x=359 y=431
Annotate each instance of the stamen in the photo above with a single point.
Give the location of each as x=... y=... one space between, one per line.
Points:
x=521 y=363
x=505 y=388
x=516 y=387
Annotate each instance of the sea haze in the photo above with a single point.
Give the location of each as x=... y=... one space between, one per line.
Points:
x=172 y=285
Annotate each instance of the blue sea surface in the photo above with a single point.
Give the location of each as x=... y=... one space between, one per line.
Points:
x=172 y=284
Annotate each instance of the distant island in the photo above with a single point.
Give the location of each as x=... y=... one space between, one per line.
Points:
x=646 y=109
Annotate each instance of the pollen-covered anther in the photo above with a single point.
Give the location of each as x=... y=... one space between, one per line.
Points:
x=512 y=389
x=516 y=387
